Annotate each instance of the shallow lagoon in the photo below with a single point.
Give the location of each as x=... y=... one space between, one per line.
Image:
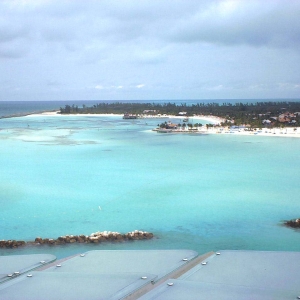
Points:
x=196 y=192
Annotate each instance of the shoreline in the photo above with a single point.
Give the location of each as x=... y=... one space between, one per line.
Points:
x=275 y=132
x=26 y=114
x=56 y=113
x=213 y=119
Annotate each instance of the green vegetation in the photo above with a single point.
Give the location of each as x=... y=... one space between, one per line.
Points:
x=254 y=114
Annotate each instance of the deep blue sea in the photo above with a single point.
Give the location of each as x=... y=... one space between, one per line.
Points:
x=204 y=193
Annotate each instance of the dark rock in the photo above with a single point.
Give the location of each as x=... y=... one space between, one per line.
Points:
x=38 y=240
x=293 y=223
x=96 y=237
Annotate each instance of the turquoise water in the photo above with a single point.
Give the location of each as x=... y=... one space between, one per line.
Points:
x=195 y=192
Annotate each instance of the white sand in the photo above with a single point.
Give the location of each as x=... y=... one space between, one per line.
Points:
x=56 y=113
x=211 y=119
x=277 y=132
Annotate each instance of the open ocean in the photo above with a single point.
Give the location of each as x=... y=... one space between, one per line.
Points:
x=204 y=193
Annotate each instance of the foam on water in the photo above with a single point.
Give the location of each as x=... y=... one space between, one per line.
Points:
x=198 y=192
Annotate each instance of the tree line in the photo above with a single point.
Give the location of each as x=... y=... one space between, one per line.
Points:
x=240 y=113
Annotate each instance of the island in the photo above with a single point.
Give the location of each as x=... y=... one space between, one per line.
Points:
x=267 y=114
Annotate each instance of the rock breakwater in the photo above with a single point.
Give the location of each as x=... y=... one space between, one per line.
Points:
x=95 y=238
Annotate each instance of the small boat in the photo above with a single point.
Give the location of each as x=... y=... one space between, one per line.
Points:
x=185 y=120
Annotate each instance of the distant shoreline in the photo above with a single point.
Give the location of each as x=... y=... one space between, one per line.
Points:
x=213 y=119
x=25 y=114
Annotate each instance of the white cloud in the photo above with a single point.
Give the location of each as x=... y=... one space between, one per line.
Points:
x=111 y=87
x=217 y=87
x=288 y=86
x=208 y=48
x=253 y=22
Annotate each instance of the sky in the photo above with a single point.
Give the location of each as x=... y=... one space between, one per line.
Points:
x=149 y=49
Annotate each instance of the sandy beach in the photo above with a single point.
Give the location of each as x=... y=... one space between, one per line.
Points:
x=274 y=132
x=211 y=119
x=57 y=113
